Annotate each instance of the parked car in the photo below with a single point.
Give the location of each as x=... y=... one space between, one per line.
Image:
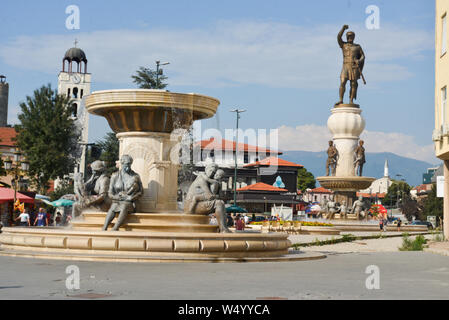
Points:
x=259 y=219
x=422 y=223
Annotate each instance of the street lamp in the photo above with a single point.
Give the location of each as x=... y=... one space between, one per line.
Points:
x=18 y=167
x=159 y=71
x=238 y=112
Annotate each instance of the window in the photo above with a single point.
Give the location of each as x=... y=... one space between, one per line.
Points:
x=246 y=158
x=82 y=94
x=68 y=92
x=443 y=105
x=74 y=110
x=444 y=34
x=75 y=93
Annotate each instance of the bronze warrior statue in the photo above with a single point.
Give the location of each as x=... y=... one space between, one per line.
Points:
x=126 y=187
x=353 y=63
x=359 y=159
x=332 y=158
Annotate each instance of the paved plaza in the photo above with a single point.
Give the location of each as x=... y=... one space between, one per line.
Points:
x=403 y=275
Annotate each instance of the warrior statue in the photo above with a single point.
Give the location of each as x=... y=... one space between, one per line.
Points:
x=332 y=158
x=126 y=187
x=202 y=197
x=359 y=159
x=353 y=63
x=94 y=193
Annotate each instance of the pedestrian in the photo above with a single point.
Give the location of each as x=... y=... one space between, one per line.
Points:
x=41 y=218
x=399 y=225
x=239 y=224
x=381 y=224
x=24 y=219
x=245 y=219
x=230 y=221
x=213 y=220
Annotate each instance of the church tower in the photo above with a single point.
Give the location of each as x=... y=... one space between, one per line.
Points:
x=74 y=81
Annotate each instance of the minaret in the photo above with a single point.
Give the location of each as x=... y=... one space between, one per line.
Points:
x=74 y=81
x=386 y=174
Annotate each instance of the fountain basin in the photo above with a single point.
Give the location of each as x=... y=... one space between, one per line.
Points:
x=144 y=110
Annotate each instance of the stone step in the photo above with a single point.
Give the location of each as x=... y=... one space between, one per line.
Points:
x=152 y=227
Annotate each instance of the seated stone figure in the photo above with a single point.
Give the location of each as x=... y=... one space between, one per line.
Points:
x=125 y=188
x=94 y=193
x=214 y=188
x=201 y=199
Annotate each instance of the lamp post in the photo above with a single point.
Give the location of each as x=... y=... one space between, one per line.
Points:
x=159 y=71
x=238 y=112
x=18 y=167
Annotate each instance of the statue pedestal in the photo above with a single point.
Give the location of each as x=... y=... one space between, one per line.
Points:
x=346 y=125
x=155 y=160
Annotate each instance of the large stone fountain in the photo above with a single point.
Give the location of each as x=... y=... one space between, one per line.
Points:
x=144 y=121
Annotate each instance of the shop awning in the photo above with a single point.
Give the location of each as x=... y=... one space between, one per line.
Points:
x=7 y=195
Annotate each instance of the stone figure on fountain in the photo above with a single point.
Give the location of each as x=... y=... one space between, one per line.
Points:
x=353 y=63
x=203 y=197
x=93 y=194
x=343 y=210
x=125 y=188
x=331 y=208
x=360 y=209
x=359 y=159
x=332 y=159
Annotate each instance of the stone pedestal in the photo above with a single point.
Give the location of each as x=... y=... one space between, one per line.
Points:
x=155 y=160
x=346 y=125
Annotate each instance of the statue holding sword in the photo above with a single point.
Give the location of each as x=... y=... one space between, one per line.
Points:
x=353 y=63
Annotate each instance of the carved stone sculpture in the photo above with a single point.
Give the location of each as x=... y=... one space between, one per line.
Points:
x=331 y=208
x=359 y=208
x=94 y=193
x=125 y=188
x=343 y=210
x=203 y=197
x=359 y=159
x=332 y=158
x=353 y=63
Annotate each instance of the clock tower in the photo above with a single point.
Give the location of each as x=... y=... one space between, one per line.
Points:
x=74 y=81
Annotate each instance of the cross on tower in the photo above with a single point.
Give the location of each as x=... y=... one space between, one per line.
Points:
x=76 y=42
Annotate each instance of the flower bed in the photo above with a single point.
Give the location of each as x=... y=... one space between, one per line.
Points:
x=303 y=223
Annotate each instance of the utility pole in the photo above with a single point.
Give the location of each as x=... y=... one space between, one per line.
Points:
x=238 y=112
x=159 y=71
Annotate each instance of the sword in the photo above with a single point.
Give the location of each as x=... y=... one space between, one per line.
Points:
x=361 y=74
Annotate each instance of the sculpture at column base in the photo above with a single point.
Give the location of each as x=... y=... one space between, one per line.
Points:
x=92 y=195
x=125 y=188
x=203 y=196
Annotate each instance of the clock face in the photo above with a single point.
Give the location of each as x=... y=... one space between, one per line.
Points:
x=76 y=78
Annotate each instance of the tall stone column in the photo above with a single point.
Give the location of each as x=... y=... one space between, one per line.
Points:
x=155 y=160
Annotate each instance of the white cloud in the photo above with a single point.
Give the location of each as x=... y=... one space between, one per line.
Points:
x=230 y=53
x=315 y=138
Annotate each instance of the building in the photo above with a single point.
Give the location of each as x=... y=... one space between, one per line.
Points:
x=440 y=134
x=428 y=176
x=320 y=195
x=380 y=186
x=7 y=149
x=4 y=96
x=75 y=82
x=421 y=191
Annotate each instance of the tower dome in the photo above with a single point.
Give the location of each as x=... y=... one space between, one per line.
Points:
x=74 y=55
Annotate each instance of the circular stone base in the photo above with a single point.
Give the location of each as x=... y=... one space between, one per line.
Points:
x=120 y=245
x=345 y=183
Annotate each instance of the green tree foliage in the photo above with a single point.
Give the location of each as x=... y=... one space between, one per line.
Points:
x=433 y=206
x=306 y=180
x=396 y=191
x=47 y=135
x=146 y=78
x=109 y=151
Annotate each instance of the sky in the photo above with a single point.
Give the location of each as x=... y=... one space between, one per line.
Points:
x=278 y=60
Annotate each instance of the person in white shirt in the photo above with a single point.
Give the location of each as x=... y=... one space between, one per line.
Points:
x=246 y=219
x=24 y=219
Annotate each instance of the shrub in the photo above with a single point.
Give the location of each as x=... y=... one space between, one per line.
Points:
x=415 y=245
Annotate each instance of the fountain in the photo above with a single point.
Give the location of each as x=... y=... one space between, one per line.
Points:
x=145 y=121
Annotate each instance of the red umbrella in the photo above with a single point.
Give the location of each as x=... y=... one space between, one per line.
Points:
x=7 y=195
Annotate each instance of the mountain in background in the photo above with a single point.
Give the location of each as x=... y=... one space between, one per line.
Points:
x=410 y=169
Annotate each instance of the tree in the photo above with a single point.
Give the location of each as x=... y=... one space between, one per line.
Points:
x=66 y=187
x=396 y=191
x=306 y=180
x=146 y=78
x=432 y=205
x=110 y=148
x=48 y=136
